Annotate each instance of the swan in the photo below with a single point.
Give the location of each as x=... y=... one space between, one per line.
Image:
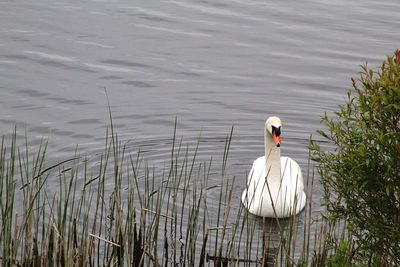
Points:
x=275 y=184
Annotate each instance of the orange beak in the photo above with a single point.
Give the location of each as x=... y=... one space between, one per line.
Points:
x=277 y=139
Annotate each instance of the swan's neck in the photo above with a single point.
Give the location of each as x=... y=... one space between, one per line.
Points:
x=272 y=158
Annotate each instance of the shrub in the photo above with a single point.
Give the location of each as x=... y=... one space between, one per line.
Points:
x=341 y=257
x=361 y=176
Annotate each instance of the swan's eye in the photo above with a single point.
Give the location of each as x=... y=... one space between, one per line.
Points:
x=276 y=130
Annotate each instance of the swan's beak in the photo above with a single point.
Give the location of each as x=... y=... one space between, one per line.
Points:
x=277 y=139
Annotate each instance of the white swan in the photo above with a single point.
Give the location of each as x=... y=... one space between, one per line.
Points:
x=275 y=184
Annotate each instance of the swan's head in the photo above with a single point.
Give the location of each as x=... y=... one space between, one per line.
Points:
x=273 y=127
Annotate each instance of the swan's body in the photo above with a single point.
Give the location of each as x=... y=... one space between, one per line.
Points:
x=275 y=184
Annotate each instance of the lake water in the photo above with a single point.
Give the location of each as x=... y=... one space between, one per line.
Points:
x=211 y=64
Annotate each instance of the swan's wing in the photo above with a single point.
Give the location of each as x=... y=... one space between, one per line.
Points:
x=257 y=170
x=291 y=174
x=254 y=181
x=292 y=180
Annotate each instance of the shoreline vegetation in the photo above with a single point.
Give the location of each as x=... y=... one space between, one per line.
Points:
x=361 y=177
x=121 y=212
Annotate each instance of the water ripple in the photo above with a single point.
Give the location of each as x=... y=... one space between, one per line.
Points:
x=169 y=30
x=111 y=68
x=51 y=56
x=214 y=11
